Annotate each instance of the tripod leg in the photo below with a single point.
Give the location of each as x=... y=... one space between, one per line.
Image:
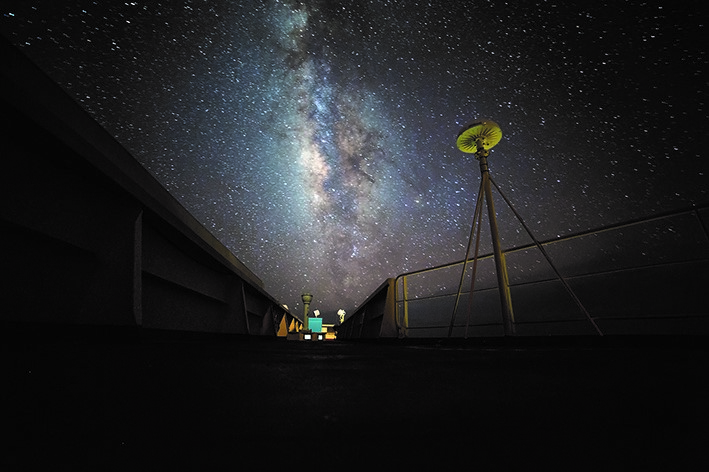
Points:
x=546 y=256
x=475 y=270
x=476 y=220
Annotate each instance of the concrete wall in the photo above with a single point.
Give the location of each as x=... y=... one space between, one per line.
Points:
x=90 y=237
x=375 y=318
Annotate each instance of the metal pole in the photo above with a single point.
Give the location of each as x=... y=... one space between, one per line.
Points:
x=406 y=306
x=477 y=217
x=307 y=298
x=508 y=318
x=475 y=270
x=546 y=256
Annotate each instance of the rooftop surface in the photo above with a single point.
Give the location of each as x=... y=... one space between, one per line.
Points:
x=111 y=399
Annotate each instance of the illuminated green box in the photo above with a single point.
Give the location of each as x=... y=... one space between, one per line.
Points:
x=315 y=325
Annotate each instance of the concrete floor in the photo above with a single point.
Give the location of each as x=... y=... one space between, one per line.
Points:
x=113 y=399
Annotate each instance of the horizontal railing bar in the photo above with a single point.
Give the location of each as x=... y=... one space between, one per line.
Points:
x=555 y=279
x=603 y=229
x=576 y=320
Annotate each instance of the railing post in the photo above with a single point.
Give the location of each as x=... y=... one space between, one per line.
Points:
x=406 y=305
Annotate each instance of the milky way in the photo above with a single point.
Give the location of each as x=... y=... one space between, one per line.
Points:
x=316 y=140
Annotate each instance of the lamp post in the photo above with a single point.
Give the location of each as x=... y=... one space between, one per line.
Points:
x=478 y=138
x=307 y=298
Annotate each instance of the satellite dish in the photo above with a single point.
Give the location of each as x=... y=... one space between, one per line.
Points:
x=485 y=132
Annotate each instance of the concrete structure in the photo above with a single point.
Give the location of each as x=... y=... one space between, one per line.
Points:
x=90 y=237
x=94 y=248
x=88 y=399
x=375 y=317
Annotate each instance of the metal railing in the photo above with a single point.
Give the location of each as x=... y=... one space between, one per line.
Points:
x=645 y=276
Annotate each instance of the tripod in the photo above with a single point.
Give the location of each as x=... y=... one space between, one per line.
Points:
x=478 y=138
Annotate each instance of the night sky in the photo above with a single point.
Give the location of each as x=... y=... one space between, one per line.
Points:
x=316 y=139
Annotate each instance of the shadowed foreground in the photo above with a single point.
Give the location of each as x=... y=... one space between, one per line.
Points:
x=113 y=399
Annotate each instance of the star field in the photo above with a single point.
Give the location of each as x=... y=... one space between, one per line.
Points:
x=316 y=140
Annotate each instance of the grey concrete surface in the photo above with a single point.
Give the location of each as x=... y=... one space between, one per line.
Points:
x=117 y=399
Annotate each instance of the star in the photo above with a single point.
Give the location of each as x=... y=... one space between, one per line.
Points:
x=317 y=140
